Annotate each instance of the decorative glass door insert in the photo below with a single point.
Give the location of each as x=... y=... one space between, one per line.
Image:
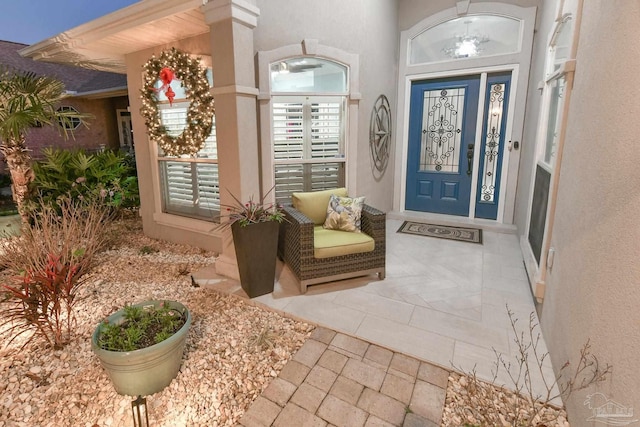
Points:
x=442 y=130
x=493 y=142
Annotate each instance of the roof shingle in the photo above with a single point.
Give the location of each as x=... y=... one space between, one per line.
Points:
x=75 y=79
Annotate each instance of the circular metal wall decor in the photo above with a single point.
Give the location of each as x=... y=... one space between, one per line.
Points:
x=380 y=133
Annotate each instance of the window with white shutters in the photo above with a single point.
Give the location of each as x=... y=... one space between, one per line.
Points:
x=189 y=184
x=308 y=143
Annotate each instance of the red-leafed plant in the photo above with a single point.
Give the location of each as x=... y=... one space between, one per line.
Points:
x=45 y=300
x=251 y=212
x=47 y=264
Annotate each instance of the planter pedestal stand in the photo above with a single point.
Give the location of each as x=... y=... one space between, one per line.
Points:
x=140 y=414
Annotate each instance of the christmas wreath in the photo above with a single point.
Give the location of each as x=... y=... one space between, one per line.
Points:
x=171 y=64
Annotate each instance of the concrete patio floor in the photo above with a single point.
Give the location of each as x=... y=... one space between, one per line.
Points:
x=442 y=302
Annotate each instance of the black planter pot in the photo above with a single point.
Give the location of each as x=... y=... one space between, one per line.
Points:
x=256 y=249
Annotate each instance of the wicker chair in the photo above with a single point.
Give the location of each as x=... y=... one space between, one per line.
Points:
x=296 y=249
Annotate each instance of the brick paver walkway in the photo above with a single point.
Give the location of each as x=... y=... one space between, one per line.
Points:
x=338 y=380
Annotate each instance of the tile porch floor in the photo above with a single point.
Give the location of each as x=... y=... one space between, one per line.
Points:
x=442 y=301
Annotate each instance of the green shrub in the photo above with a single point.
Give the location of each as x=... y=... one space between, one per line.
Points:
x=105 y=177
x=5 y=180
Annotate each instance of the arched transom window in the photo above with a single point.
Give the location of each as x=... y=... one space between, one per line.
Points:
x=466 y=37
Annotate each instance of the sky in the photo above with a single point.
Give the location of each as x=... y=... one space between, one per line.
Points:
x=30 y=21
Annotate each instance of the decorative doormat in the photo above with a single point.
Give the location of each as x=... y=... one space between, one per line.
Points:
x=472 y=235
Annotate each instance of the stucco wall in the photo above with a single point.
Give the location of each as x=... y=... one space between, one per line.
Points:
x=593 y=288
x=363 y=27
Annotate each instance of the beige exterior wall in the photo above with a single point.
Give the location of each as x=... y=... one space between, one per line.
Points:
x=592 y=290
x=364 y=27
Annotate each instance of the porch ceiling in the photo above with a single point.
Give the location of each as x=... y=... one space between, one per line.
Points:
x=103 y=43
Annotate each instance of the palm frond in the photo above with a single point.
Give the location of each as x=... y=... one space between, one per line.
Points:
x=27 y=100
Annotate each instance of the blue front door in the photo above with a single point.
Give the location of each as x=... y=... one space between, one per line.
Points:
x=442 y=127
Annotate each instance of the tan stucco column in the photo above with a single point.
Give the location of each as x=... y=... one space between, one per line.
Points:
x=232 y=23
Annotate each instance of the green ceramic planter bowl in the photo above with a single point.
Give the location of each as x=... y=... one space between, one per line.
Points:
x=148 y=370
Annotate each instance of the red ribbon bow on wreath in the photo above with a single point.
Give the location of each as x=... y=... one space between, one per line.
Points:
x=166 y=76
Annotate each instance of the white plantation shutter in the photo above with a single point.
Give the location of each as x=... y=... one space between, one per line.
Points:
x=174 y=118
x=179 y=184
x=308 y=144
x=326 y=129
x=327 y=175
x=208 y=186
x=190 y=185
x=289 y=179
x=288 y=130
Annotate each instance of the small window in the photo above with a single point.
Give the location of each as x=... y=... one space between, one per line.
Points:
x=560 y=45
x=69 y=123
x=308 y=75
x=554 y=119
x=466 y=37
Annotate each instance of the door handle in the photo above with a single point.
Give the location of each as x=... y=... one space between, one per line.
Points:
x=469 y=159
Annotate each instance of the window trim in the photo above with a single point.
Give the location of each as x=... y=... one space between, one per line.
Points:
x=537 y=271
x=73 y=122
x=308 y=47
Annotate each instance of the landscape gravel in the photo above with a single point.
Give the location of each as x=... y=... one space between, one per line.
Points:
x=472 y=402
x=234 y=349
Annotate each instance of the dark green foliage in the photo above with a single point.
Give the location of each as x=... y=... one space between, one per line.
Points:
x=5 y=180
x=105 y=177
x=7 y=205
x=146 y=250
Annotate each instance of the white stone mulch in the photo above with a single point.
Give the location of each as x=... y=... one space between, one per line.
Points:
x=225 y=365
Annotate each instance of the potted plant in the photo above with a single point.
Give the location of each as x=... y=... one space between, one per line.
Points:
x=141 y=346
x=255 y=226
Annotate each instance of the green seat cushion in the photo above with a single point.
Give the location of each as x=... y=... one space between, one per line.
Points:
x=331 y=243
x=313 y=204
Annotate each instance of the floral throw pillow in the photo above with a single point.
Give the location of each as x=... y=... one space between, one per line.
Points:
x=343 y=213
